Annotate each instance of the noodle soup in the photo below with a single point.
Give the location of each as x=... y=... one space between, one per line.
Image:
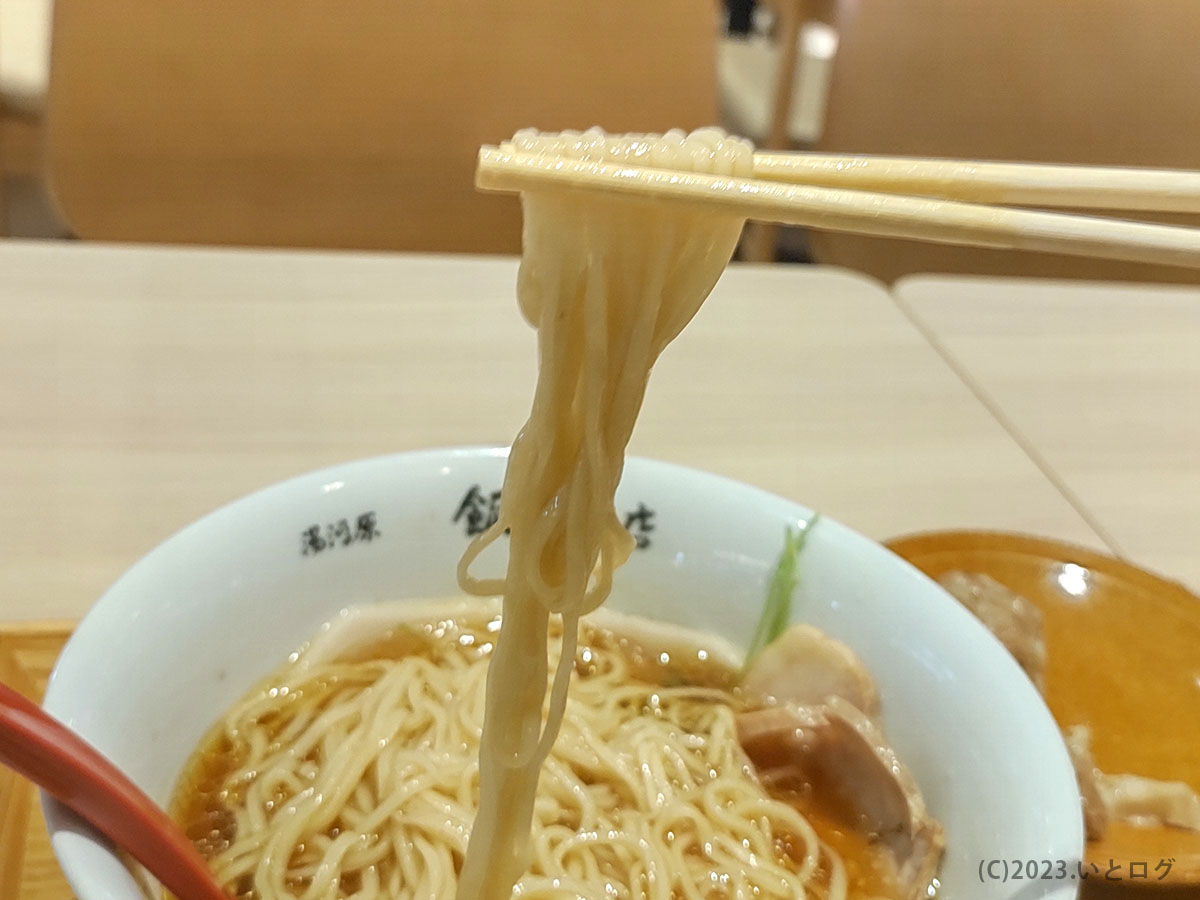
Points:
x=355 y=774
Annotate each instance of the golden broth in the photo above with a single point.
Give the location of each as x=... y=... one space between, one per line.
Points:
x=202 y=802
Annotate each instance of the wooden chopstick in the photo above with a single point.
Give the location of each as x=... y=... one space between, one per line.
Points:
x=862 y=212
x=1017 y=184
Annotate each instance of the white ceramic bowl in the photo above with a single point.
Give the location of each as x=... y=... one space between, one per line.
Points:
x=192 y=626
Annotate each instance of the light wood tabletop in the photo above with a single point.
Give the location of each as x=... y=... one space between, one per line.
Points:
x=1101 y=382
x=144 y=387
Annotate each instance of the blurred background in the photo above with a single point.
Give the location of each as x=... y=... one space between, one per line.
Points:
x=354 y=123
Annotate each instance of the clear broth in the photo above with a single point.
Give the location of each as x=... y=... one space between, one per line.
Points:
x=202 y=804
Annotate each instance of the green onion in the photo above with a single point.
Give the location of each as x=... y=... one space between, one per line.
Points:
x=778 y=607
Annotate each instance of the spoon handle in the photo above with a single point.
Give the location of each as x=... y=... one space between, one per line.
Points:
x=74 y=773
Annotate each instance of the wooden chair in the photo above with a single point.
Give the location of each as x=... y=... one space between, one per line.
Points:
x=760 y=242
x=23 y=32
x=344 y=123
x=1108 y=82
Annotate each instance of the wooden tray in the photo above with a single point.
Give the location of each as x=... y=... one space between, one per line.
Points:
x=27 y=867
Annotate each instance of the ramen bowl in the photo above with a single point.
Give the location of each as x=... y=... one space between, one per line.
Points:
x=192 y=626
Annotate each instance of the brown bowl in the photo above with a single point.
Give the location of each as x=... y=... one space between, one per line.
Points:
x=1123 y=649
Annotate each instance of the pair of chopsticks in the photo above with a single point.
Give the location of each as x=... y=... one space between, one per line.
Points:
x=944 y=201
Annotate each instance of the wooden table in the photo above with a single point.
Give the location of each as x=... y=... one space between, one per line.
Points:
x=142 y=388
x=1101 y=383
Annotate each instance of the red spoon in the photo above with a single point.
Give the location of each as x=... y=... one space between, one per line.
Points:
x=74 y=773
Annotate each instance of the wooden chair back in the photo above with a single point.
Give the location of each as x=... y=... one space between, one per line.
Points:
x=1103 y=82
x=344 y=123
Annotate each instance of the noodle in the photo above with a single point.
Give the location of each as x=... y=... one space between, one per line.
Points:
x=360 y=779
x=413 y=771
x=608 y=283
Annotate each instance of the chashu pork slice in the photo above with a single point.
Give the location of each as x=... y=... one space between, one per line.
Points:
x=835 y=751
x=804 y=666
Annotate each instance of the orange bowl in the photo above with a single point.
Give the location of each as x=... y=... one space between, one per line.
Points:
x=1123 y=648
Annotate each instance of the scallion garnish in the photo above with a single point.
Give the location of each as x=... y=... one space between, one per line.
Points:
x=778 y=607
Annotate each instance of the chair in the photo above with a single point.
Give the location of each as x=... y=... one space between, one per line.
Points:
x=1105 y=82
x=344 y=123
x=24 y=42
x=773 y=89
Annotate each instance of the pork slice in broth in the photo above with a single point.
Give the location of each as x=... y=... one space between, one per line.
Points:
x=834 y=752
x=804 y=666
x=1095 y=811
x=1148 y=801
x=1013 y=619
x=1127 y=798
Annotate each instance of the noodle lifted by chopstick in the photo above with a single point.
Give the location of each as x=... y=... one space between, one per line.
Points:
x=608 y=283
